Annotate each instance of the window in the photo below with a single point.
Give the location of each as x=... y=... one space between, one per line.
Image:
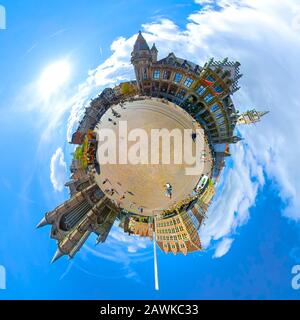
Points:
x=220 y=115
x=211 y=79
x=208 y=98
x=200 y=90
x=177 y=77
x=188 y=82
x=156 y=74
x=181 y=93
x=166 y=75
x=214 y=108
x=218 y=89
x=145 y=76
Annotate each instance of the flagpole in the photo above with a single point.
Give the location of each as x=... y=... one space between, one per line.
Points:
x=156 y=283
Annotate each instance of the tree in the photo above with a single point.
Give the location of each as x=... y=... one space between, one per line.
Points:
x=127 y=89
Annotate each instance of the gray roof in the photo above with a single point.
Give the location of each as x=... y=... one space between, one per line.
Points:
x=141 y=43
x=174 y=61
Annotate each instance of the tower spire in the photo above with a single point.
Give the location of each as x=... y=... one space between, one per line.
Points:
x=58 y=254
x=140 y=43
x=141 y=58
x=251 y=116
x=42 y=223
x=154 y=52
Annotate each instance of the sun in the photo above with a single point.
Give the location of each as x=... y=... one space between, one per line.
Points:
x=54 y=77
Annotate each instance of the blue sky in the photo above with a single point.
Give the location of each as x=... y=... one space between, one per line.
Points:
x=252 y=231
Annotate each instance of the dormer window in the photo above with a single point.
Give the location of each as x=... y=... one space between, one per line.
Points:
x=171 y=61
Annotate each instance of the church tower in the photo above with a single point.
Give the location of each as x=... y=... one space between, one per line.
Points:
x=73 y=221
x=251 y=116
x=141 y=58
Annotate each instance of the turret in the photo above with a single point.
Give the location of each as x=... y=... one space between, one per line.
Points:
x=154 y=52
x=141 y=58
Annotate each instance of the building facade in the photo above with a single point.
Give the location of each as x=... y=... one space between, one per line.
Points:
x=251 y=116
x=73 y=221
x=205 y=92
x=178 y=233
x=141 y=228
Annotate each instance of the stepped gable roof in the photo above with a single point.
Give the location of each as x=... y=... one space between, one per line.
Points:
x=174 y=61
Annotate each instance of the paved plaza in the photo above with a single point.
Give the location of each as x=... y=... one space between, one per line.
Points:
x=141 y=188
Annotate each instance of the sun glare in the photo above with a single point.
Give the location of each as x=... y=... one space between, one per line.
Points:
x=54 y=77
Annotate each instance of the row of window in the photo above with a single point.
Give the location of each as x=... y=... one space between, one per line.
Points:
x=174 y=237
x=168 y=223
x=188 y=81
x=173 y=230
x=181 y=246
x=217 y=87
x=219 y=116
x=194 y=220
x=177 y=77
x=200 y=90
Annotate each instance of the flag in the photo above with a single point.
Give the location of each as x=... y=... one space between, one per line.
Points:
x=208 y=83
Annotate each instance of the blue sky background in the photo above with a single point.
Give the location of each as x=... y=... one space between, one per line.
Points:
x=252 y=232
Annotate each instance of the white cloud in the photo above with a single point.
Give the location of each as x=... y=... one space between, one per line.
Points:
x=223 y=247
x=133 y=243
x=137 y=248
x=58 y=170
x=264 y=37
x=2 y=278
x=238 y=193
x=115 y=69
x=123 y=249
